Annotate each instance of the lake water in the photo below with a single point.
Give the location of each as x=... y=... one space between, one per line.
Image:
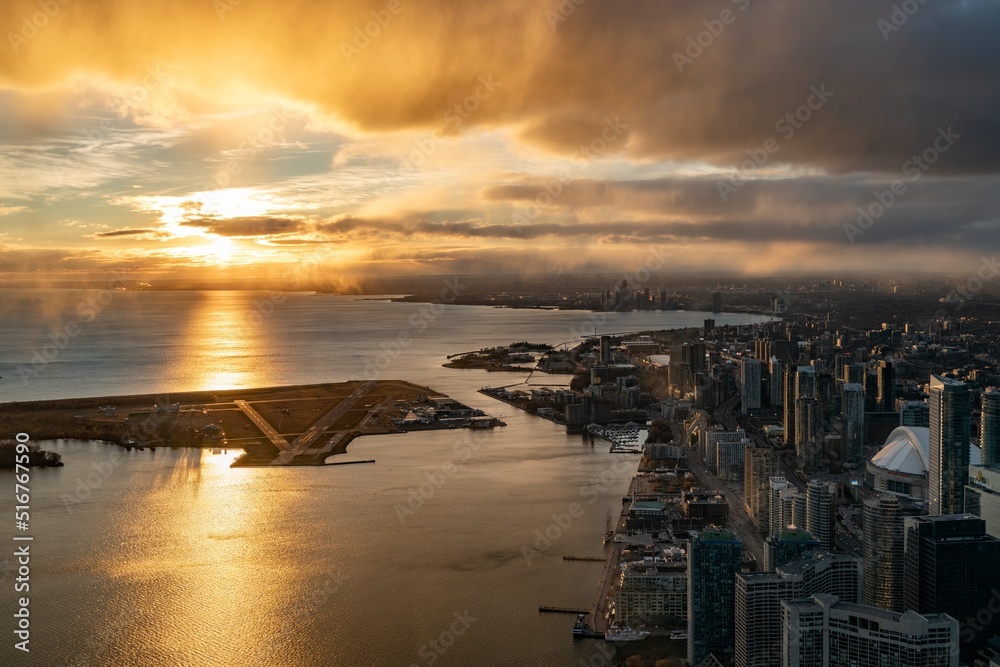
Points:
x=173 y=558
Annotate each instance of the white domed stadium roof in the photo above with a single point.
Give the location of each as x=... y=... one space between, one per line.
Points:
x=907 y=451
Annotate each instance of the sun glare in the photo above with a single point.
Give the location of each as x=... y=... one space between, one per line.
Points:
x=222 y=249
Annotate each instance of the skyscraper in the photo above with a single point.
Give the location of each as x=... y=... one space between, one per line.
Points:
x=853 y=423
x=883 y=549
x=788 y=405
x=774 y=509
x=807 y=446
x=793 y=508
x=760 y=464
x=886 y=387
x=805 y=382
x=820 y=512
x=949 y=445
x=952 y=566
x=750 y=384
x=989 y=427
x=777 y=383
x=805 y=417
x=713 y=561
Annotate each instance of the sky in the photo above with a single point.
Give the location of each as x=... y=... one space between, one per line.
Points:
x=223 y=138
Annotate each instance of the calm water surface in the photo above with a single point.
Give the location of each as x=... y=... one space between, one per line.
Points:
x=173 y=558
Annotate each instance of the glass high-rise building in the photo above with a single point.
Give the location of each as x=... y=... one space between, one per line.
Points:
x=853 y=423
x=882 y=549
x=989 y=427
x=750 y=384
x=820 y=512
x=952 y=566
x=886 y=387
x=713 y=561
x=949 y=445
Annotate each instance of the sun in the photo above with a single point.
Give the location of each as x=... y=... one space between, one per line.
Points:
x=221 y=249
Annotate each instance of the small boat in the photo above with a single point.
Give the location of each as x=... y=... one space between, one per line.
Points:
x=623 y=633
x=580 y=627
x=678 y=634
x=609 y=533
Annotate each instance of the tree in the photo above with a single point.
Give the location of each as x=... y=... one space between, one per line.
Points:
x=670 y=662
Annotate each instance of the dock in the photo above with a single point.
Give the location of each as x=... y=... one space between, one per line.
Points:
x=562 y=610
x=596 y=559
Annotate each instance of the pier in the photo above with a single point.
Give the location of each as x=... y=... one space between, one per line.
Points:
x=562 y=610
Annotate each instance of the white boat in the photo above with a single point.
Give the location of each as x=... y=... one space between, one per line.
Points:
x=678 y=634
x=580 y=627
x=623 y=633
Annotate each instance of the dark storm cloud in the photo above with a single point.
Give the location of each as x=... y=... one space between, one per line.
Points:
x=560 y=77
x=248 y=226
x=119 y=233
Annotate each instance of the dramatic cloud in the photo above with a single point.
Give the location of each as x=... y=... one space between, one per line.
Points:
x=248 y=226
x=436 y=134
